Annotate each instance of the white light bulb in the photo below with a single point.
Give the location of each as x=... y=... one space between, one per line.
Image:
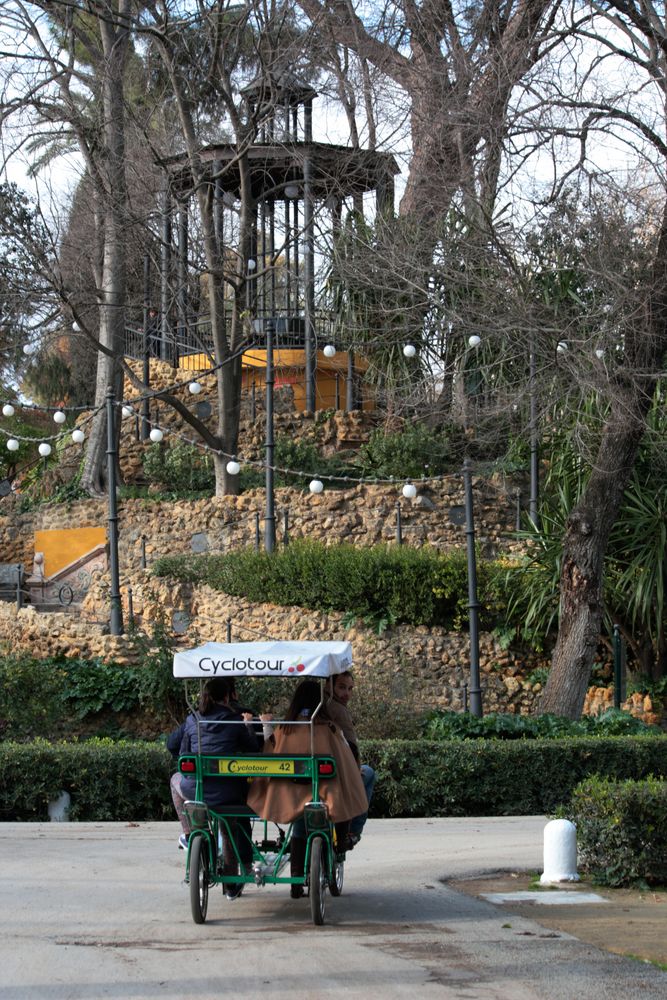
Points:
x=44 y=449
x=28 y=349
x=8 y=410
x=329 y=351
x=13 y=445
x=233 y=467
x=252 y=264
x=156 y=435
x=409 y=491
x=474 y=341
x=76 y=327
x=78 y=437
x=409 y=350
x=127 y=411
x=194 y=388
x=59 y=417
x=599 y=353
x=316 y=486
x=562 y=346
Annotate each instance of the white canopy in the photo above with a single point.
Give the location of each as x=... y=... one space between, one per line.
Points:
x=264 y=659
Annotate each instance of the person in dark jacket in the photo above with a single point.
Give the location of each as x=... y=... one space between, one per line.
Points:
x=225 y=731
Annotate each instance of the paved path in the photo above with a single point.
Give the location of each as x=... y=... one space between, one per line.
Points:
x=96 y=910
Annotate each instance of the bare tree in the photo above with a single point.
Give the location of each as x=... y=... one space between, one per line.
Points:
x=63 y=53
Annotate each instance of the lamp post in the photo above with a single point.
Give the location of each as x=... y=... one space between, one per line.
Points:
x=534 y=449
x=270 y=516
x=145 y=406
x=116 y=610
x=473 y=604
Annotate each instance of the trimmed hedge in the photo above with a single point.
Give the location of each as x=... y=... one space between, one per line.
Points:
x=385 y=583
x=107 y=780
x=621 y=829
x=448 y=725
x=499 y=777
x=130 y=780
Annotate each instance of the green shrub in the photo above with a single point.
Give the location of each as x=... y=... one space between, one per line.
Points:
x=447 y=725
x=179 y=467
x=130 y=780
x=380 y=584
x=48 y=697
x=305 y=457
x=107 y=780
x=32 y=696
x=414 y=452
x=621 y=829
x=498 y=777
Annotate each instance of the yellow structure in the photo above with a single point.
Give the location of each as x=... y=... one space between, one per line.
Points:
x=63 y=546
x=290 y=369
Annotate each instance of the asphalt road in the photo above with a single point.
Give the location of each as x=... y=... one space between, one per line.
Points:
x=95 y=910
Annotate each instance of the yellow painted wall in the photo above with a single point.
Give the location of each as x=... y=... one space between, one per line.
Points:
x=64 y=545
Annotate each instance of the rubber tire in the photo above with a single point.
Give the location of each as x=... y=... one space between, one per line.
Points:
x=199 y=878
x=318 y=882
x=336 y=884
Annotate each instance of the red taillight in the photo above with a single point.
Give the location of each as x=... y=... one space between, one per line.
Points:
x=187 y=766
x=326 y=768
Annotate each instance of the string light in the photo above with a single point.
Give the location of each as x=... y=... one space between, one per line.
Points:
x=316 y=486
x=13 y=445
x=156 y=435
x=329 y=351
x=233 y=467
x=409 y=491
x=8 y=410
x=78 y=437
x=127 y=411
x=195 y=388
x=474 y=340
x=44 y=449
x=409 y=350
x=562 y=347
x=59 y=417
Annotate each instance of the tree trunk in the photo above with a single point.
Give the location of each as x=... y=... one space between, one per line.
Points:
x=113 y=200
x=585 y=544
x=590 y=523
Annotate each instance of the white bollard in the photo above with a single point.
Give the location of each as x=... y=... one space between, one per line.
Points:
x=560 y=852
x=59 y=808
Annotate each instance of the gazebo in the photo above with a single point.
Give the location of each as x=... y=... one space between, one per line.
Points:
x=300 y=189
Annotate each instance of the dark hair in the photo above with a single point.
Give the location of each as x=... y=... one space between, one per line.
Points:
x=306 y=698
x=217 y=690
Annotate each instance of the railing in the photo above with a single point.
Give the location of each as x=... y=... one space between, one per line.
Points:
x=194 y=339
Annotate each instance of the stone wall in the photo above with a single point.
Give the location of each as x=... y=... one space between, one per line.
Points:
x=363 y=515
x=437 y=663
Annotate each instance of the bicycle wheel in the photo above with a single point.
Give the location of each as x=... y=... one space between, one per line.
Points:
x=199 y=878
x=336 y=884
x=318 y=882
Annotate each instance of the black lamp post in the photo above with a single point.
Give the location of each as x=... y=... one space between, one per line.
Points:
x=475 y=690
x=270 y=516
x=534 y=446
x=116 y=610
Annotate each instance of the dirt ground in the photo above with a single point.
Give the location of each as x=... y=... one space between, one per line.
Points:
x=632 y=922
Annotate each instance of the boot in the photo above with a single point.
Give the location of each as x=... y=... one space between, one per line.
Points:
x=297 y=860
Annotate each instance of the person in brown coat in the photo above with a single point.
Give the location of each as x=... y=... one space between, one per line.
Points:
x=281 y=801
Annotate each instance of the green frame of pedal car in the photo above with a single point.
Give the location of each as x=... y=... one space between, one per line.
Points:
x=324 y=863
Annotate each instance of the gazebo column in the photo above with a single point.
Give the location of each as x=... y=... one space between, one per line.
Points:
x=309 y=285
x=182 y=299
x=165 y=273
